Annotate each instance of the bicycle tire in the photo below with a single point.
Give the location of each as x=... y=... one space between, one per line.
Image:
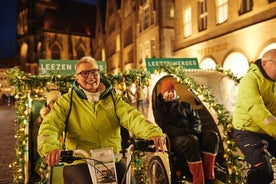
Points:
x=157 y=172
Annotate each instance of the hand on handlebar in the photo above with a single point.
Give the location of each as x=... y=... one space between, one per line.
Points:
x=53 y=157
x=159 y=143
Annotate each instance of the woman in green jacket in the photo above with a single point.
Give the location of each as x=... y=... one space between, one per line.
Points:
x=254 y=118
x=96 y=114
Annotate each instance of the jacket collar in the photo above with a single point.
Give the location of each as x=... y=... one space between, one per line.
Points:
x=81 y=94
x=259 y=65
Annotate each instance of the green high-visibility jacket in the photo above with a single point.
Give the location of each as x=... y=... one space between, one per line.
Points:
x=92 y=125
x=256 y=103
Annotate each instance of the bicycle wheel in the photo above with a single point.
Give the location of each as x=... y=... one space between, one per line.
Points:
x=157 y=172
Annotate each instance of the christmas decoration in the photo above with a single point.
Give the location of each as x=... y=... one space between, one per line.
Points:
x=30 y=87
x=233 y=162
x=139 y=167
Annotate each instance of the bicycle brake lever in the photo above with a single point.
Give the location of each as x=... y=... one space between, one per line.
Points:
x=144 y=145
x=67 y=156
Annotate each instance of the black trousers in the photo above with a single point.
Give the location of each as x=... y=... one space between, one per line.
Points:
x=79 y=174
x=190 y=147
x=254 y=146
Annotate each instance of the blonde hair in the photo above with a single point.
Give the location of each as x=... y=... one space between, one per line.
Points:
x=86 y=59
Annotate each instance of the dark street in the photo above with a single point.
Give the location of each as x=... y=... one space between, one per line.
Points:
x=7 y=141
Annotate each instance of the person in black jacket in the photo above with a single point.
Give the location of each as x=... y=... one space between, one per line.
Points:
x=182 y=124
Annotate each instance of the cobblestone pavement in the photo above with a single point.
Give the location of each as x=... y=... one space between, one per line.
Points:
x=7 y=142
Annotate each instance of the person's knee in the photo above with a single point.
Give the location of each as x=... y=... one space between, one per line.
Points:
x=265 y=168
x=210 y=141
x=193 y=142
x=212 y=136
x=189 y=148
x=185 y=140
x=261 y=172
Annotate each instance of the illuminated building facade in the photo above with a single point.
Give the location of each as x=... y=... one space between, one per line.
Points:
x=129 y=31
x=124 y=33
x=53 y=29
x=228 y=33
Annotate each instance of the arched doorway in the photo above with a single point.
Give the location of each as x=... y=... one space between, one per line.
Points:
x=55 y=51
x=269 y=47
x=23 y=55
x=208 y=64
x=237 y=63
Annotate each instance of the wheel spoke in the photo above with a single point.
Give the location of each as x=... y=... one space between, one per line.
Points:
x=157 y=172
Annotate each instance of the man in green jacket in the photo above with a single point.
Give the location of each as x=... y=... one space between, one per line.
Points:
x=254 y=118
x=95 y=115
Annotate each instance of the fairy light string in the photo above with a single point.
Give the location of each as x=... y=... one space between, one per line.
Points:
x=32 y=87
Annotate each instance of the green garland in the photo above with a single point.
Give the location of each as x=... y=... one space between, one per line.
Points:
x=139 y=167
x=233 y=162
x=30 y=87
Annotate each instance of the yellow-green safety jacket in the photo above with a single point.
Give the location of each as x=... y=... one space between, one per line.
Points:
x=256 y=102
x=92 y=125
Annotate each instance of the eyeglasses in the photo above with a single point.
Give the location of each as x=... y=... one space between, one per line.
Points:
x=86 y=73
x=271 y=60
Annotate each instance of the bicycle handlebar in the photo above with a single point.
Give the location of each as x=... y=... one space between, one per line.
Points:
x=143 y=145
x=68 y=156
x=138 y=144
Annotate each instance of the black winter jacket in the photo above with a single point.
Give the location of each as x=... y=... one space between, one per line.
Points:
x=176 y=118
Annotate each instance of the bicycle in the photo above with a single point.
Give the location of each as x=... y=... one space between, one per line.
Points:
x=103 y=170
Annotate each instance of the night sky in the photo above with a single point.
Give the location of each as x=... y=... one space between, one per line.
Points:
x=8 y=27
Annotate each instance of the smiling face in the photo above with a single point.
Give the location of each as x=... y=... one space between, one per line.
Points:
x=169 y=95
x=88 y=76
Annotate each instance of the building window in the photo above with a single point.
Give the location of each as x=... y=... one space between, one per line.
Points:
x=153 y=48
x=246 y=6
x=111 y=27
x=130 y=56
x=146 y=18
x=118 y=43
x=128 y=39
x=25 y=21
x=55 y=52
x=142 y=2
x=147 y=50
x=208 y=64
x=22 y=25
x=187 y=22
x=140 y=24
x=140 y=54
x=80 y=52
x=237 y=63
x=172 y=11
x=222 y=11
x=202 y=15
x=111 y=47
x=103 y=55
x=111 y=10
x=153 y=17
x=127 y=9
x=172 y=44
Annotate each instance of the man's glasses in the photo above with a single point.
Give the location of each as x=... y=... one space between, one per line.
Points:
x=86 y=73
